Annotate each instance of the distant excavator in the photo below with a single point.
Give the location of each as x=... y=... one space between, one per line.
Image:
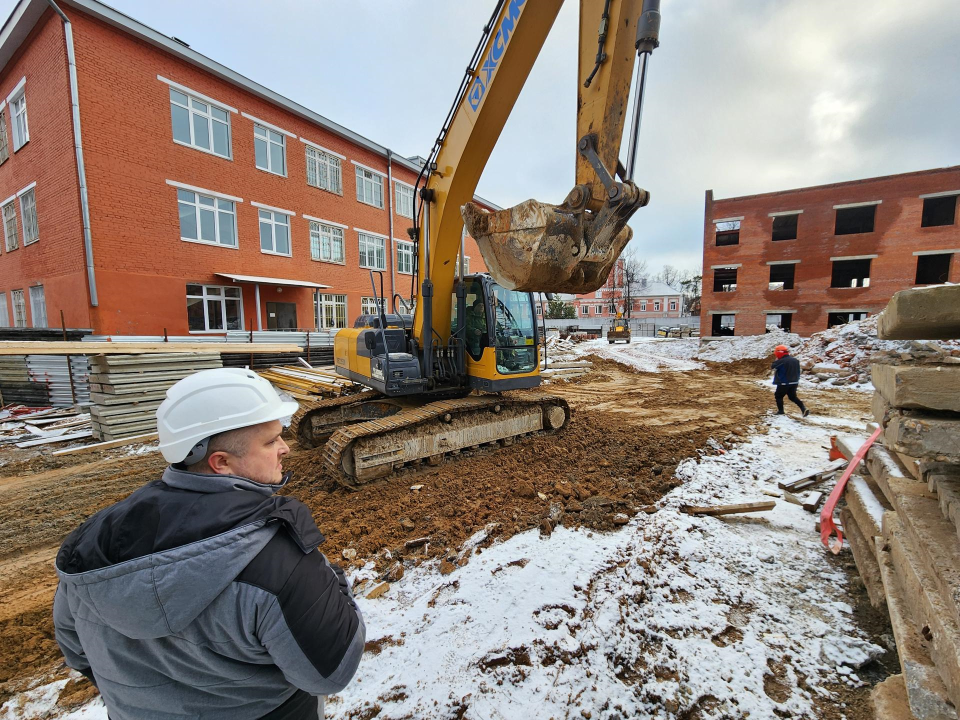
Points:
x=437 y=387
x=619 y=330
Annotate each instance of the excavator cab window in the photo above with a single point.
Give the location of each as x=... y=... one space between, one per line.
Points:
x=514 y=330
x=475 y=326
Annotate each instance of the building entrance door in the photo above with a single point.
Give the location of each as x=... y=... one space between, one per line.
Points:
x=281 y=316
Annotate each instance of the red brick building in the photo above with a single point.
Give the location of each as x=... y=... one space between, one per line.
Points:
x=815 y=257
x=213 y=202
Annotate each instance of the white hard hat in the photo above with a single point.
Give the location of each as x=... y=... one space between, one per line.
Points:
x=214 y=401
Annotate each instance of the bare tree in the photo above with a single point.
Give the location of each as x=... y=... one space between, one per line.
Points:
x=635 y=276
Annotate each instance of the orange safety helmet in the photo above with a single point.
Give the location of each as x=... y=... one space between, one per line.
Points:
x=781 y=350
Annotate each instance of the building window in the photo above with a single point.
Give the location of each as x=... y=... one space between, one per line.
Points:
x=785 y=227
x=656 y=306
x=270 y=150
x=842 y=318
x=404 y=257
x=851 y=273
x=643 y=306
x=4 y=316
x=38 y=307
x=214 y=308
x=466 y=265
x=19 y=309
x=939 y=211
x=404 y=199
x=199 y=124
x=781 y=277
x=326 y=243
x=370 y=306
x=851 y=221
x=28 y=211
x=723 y=325
x=331 y=311
x=372 y=252
x=369 y=187
x=10 y=226
x=539 y=310
x=673 y=305
x=18 y=116
x=784 y=321
x=4 y=143
x=728 y=232
x=323 y=171
x=725 y=279
x=933 y=269
x=274 y=232
x=207 y=219
x=584 y=310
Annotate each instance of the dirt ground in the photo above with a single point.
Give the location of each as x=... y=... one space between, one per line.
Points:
x=628 y=432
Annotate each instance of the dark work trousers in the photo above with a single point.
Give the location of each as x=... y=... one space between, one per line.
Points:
x=791 y=392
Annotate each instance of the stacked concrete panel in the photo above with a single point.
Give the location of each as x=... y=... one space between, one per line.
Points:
x=902 y=516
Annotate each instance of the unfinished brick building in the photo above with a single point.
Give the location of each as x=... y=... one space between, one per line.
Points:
x=213 y=203
x=812 y=258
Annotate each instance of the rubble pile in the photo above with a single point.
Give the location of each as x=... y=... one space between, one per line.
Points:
x=902 y=515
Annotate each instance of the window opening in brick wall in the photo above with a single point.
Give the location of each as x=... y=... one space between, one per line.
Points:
x=933 y=269
x=369 y=187
x=207 y=219
x=214 y=308
x=4 y=142
x=18 y=115
x=656 y=306
x=851 y=273
x=274 y=232
x=28 y=212
x=19 y=309
x=404 y=199
x=785 y=227
x=10 y=236
x=199 y=124
x=851 y=221
x=270 y=150
x=722 y=325
x=372 y=252
x=728 y=232
x=725 y=279
x=404 y=257
x=939 y=211
x=4 y=316
x=842 y=318
x=673 y=305
x=781 y=277
x=370 y=306
x=784 y=321
x=38 y=307
x=326 y=243
x=324 y=171
x=331 y=311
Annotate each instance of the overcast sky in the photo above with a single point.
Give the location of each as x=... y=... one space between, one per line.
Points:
x=744 y=96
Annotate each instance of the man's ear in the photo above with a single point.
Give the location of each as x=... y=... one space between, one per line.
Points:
x=219 y=463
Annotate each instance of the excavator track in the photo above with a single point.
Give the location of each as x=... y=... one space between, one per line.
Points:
x=368 y=450
x=304 y=431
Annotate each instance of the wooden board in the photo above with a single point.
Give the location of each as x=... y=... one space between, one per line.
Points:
x=811 y=477
x=96 y=447
x=135 y=348
x=58 y=438
x=761 y=506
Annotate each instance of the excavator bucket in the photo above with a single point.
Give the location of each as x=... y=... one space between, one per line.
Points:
x=538 y=247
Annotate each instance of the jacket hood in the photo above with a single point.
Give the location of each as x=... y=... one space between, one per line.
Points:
x=150 y=564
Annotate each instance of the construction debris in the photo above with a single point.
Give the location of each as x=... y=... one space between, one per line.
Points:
x=761 y=506
x=807 y=479
x=307 y=383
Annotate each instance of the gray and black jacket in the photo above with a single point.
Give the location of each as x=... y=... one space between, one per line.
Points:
x=205 y=596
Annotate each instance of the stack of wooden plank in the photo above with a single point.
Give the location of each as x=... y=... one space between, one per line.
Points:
x=305 y=383
x=126 y=390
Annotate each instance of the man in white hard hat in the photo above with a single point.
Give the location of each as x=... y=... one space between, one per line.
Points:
x=203 y=594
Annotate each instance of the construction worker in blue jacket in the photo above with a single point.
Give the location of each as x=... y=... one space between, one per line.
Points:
x=786 y=376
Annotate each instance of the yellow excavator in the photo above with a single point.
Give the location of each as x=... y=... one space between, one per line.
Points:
x=440 y=385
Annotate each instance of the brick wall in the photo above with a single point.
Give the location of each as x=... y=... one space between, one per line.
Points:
x=897 y=235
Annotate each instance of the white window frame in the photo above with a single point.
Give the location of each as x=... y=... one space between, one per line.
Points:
x=369 y=305
x=673 y=305
x=208 y=115
x=643 y=306
x=10 y=203
x=372 y=179
x=322 y=233
x=466 y=265
x=656 y=306
x=222 y=298
x=401 y=197
x=268 y=139
x=273 y=221
x=404 y=257
x=4 y=313
x=4 y=137
x=19 y=309
x=198 y=207
x=379 y=242
x=17 y=100
x=28 y=214
x=337 y=304
x=38 y=307
x=329 y=164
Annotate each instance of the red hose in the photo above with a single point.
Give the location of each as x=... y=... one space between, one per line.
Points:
x=828 y=525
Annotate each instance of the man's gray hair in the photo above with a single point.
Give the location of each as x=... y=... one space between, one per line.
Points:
x=236 y=442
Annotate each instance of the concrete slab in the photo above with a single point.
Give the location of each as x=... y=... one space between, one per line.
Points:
x=864 y=549
x=936 y=387
x=947 y=489
x=866 y=502
x=927 y=625
x=890 y=699
x=923 y=436
x=926 y=314
x=890 y=477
